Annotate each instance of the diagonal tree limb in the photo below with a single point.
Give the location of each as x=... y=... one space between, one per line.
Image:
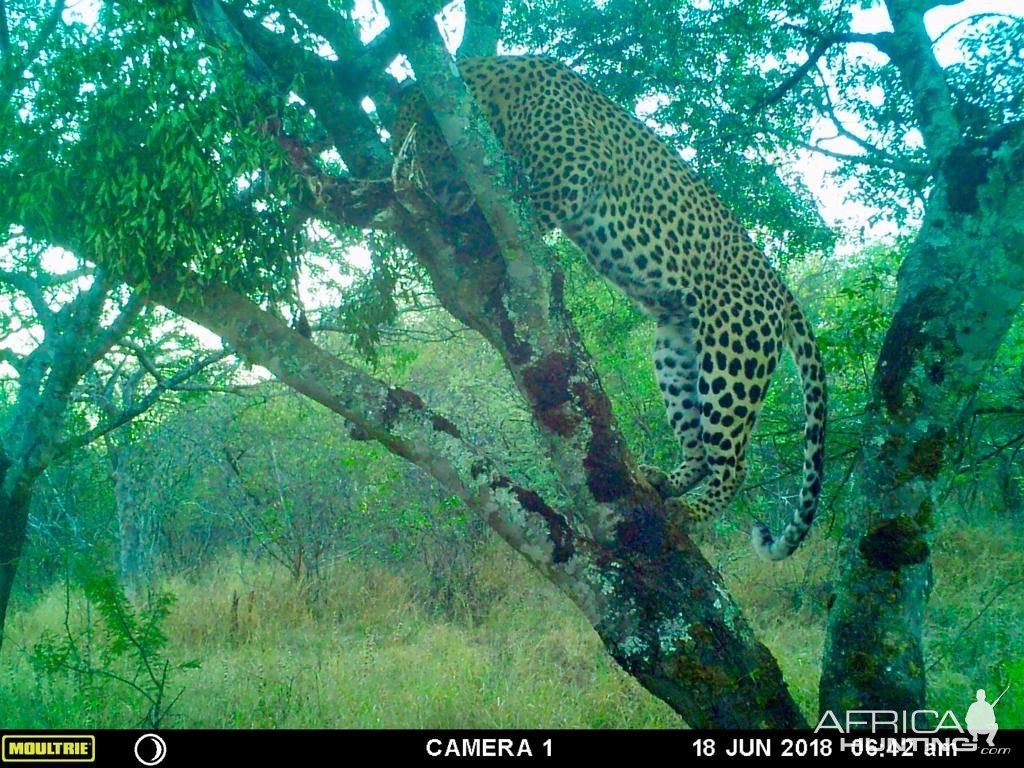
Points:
x=396 y=418
x=787 y=85
x=32 y=289
x=647 y=616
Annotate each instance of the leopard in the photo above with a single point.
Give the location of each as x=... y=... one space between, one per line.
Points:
x=654 y=228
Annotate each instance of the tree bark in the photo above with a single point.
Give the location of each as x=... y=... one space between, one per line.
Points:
x=135 y=523
x=661 y=610
x=483 y=28
x=14 y=505
x=659 y=607
x=74 y=340
x=960 y=286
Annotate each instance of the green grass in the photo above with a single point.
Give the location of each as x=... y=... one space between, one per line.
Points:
x=372 y=655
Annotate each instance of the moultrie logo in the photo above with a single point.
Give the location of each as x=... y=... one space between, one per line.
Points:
x=47 y=748
x=981 y=717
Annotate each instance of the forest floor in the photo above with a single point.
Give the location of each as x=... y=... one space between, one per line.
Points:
x=508 y=652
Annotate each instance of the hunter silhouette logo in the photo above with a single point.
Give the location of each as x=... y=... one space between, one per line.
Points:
x=981 y=717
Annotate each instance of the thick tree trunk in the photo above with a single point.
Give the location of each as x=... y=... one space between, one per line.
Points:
x=14 y=504
x=959 y=288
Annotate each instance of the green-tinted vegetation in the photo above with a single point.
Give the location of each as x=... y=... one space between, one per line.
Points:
x=319 y=582
x=186 y=541
x=509 y=652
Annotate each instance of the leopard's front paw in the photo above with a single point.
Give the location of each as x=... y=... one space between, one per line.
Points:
x=682 y=521
x=658 y=479
x=679 y=512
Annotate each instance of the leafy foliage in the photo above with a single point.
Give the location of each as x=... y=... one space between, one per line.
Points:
x=146 y=161
x=127 y=654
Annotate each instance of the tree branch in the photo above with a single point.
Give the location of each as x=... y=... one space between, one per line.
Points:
x=911 y=52
x=117 y=328
x=883 y=41
x=69 y=355
x=10 y=357
x=796 y=76
x=145 y=364
x=32 y=290
x=878 y=157
x=955 y=642
x=1004 y=410
x=997 y=449
x=349 y=201
x=971 y=19
x=83 y=310
x=881 y=161
x=880 y=40
x=349 y=126
x=48 y=280
x=362 y=66
x=176 y=383
x=216 y=26
x=396 y=418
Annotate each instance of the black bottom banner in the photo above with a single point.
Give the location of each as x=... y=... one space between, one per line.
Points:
x=194 y=748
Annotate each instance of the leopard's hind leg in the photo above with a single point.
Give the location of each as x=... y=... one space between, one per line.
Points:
x=731 y=387
x=676 y=355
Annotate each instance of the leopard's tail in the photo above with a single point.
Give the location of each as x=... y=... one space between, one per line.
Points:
x=800 y=340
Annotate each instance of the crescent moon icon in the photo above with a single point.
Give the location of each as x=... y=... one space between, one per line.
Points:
x=159 y=749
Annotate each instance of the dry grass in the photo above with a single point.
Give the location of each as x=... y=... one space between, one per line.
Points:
x=371 y=655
